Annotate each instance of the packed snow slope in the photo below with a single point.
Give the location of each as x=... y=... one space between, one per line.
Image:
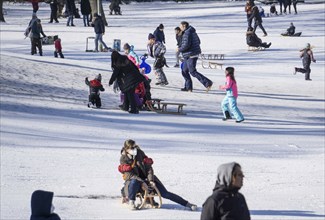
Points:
x=50 y=140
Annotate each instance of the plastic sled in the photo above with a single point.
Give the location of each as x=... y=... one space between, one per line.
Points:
x=146 y=66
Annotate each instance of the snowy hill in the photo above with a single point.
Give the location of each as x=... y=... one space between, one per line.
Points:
x=50 y=140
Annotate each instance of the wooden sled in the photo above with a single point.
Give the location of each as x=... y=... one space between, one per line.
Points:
x=212 y=61
x=162 y=107
x=146 y=198
x=254 y=49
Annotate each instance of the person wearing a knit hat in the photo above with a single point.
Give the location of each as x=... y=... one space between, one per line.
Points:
x=307 y=56
x=157 y=50
x=159 y=34
x=95 y=86
x=226 y=202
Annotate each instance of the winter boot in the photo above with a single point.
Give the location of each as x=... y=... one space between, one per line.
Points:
x=228 y=116
x=132 y=205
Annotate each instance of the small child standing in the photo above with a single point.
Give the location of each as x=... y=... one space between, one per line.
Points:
x=95 y=86
x=230 y=101
x=307 y=56
x=58 y=48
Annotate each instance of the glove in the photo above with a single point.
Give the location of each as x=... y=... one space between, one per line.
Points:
x=144 y=186
x=152 y=183
x=148 y=161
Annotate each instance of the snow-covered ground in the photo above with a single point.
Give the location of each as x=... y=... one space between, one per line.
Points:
x=50 y=140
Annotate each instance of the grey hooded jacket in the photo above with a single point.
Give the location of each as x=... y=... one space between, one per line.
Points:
x=225 y=203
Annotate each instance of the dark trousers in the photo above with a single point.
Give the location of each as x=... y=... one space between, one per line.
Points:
x=54 y=12
x=259 y=24
x=189 y=66
x=129 y=100
x=58 y=52
x=306 y=70
x=36 y=42
x=281 y=2
x=95 y=100
x=249 y=21
x=169 y=195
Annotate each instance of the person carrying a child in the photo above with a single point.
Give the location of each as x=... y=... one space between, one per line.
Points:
x=157 y=50
x=95 y=86
x=58 y=48
x=307 y=56
x=229 y=103
x=137 y=171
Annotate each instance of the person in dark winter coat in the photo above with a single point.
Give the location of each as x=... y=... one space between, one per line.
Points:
x=54 y=11
x=178 y=35
x=99 y=28
x=253 y=40
x=290 y=31
x=157 y=50
x=226 y=202
x=115 y=7
x=137 y=170
x=257 y=20
x=128 y=77
x=307 y=56
x=85 y=11
x=42 y=207
x=190 y=49
x=36 y=31
x=70 y=8
x=159 y=34
x=95 y=86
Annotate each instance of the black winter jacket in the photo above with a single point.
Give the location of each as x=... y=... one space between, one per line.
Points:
x=225 y=204
x=99 y=25
x=256 y=15
x=159 y=35
x=70 y=7
x=85 y=7
x=41 y=203
x=94 y=86
x=252 y=39
x=190 y=43
x=179 y=39
x=127 y=74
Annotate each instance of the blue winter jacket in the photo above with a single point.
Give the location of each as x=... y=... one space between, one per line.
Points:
x=190 y=45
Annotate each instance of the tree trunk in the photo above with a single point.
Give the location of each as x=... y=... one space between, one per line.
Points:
x=94 y=9
x=2 y=18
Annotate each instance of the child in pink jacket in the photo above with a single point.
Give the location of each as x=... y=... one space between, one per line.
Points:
x=229 y=103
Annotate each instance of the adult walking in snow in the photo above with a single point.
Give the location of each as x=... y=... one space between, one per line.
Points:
x=229 y=103
x=226 y=202
x=42 y=207
x=190 y=49
x=248 y=9
x=54 y=11
x=307 y=56
x=70 y=8
x=137 y=169
x=85 y=11
x=159 y=34
x=36 y=31
x=128 y=77
x=257 y=20
x=99 y=28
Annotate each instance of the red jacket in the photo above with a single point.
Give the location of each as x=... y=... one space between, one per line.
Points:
x=57 y=45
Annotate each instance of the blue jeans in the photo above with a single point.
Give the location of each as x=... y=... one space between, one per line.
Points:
x=168 y=195
x=229 y=103
x=134 y=188
x=99 y=37
x=86 y=20
x=70 y=20
x=189 y=66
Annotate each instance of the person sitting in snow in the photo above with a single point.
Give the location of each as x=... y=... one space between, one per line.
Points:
x=42 y=207
x=137 y=171
x=273 y=11
x=253 y=40
x=290 y=31
x=95 y=86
